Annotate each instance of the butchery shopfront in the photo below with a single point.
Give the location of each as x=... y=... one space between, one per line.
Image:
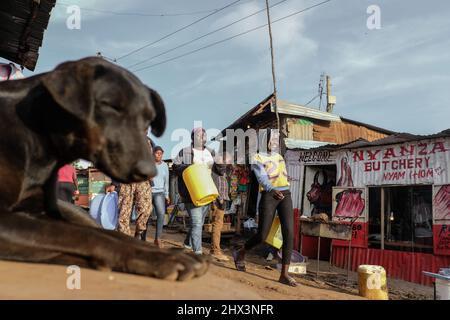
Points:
x=398 y=191
x=312 y=175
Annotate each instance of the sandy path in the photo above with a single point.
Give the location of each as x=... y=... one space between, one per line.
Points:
x=222 y=281
x=38 y=281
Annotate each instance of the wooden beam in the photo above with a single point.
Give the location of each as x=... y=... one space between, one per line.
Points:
x=382 y=218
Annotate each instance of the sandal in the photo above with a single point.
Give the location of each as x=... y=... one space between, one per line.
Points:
x=240 y=264
x=288 y=280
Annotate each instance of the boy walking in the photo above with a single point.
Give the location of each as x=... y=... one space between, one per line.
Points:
x=220 y=172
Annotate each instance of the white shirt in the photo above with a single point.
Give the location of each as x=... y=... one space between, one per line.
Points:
x=203 y=157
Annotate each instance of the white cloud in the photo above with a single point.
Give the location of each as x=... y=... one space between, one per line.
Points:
x=89 y=8
x=396 y=77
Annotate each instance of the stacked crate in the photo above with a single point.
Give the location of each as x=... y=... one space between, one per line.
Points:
x=83 y=186
x=91 y=182
x=98 y=181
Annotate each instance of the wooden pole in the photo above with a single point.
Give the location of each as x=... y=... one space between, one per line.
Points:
x=318 y=257
x=329 y=106
x=273 y=65
x=382 y=218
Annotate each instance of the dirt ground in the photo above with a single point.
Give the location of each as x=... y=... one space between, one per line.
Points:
x=37 y=281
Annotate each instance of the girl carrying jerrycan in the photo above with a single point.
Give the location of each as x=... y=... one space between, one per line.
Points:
x=270 y=170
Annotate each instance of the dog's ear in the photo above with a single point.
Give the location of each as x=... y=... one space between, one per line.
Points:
x=70 y=87
x=159 y=123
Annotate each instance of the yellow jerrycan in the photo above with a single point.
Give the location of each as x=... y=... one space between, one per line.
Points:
x=372 y=282
x=200 y=184
x=275 y=238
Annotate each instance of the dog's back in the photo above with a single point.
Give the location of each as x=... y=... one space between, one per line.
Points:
x=17 y=143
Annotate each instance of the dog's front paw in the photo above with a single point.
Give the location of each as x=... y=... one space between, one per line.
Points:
x=167 y=264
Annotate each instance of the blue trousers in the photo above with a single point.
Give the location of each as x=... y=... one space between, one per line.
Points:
x=194 y=235
x=159 y=203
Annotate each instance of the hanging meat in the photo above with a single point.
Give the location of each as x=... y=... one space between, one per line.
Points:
x=442 y=203
x=350 y=203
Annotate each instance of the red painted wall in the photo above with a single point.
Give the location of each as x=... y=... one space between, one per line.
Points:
x=359 y=236
x=441 y=239
x=407 y=266
x=309 y=248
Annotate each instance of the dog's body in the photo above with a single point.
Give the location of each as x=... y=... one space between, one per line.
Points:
x=88 y=109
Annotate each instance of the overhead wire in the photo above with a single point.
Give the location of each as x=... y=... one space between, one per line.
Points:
x=204 y=35
x=192 y=13
x=178 y=30
x=306 y=104
x=231 y=37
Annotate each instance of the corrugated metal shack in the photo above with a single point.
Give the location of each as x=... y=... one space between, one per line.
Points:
x=303 y=128
x=22 y=27
x=401 y=185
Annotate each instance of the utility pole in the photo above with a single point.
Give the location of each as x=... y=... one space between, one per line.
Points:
x=273 y=65
x=331 y=100
x=322 y=76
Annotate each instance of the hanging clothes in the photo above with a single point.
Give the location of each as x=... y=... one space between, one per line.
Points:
x=234 y=183
x=8 y=71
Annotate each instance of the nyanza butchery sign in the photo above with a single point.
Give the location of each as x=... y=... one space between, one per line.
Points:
x=420 y=162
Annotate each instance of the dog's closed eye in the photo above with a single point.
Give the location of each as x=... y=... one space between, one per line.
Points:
x=110 y=106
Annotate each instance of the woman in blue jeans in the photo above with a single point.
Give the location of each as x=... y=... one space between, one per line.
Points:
x=160 y=192
x=197 y=152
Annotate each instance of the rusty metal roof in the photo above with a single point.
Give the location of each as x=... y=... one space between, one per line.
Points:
x=293 y=109
x=22 y=27
x=392 y=139
x=264 y=109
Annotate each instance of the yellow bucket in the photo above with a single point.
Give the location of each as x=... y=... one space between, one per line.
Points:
x=372 y=282
x=200 y=184
x=275 y=238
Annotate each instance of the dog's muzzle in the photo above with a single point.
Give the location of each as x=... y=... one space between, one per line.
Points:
x=143 y=170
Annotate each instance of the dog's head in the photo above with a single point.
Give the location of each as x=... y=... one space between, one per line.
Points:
x=113 y=110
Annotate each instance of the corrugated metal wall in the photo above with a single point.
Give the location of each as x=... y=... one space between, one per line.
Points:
x=407 y=266
x=295 y=173
x=300 y=129
x=341 y=132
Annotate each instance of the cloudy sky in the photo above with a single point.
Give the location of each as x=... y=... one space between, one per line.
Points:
x=396 y=77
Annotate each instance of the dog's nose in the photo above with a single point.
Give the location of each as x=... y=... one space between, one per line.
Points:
x=143 y=170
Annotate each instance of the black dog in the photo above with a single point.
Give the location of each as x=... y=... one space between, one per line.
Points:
x=88 y=109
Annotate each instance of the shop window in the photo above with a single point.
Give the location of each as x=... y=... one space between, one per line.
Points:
x=375 y=218
x=407 y=222
x=317 y=196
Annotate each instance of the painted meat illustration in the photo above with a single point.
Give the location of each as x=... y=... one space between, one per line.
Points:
x=345 y=180
x=350 y=203
x=320 y=194
x=442 y=203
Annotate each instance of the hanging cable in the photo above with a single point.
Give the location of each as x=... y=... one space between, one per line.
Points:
x=311 y=100
x=140 y=14
x=230 y=38
x=203 y=36
x=178 y=30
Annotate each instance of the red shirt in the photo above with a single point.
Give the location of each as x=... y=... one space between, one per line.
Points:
x=66 y=173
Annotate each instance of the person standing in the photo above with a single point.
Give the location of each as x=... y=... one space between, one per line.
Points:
x=138 y=195
x=220 y=172
x=196 y=153
x=67 y=185
x=271 y=173
x=160 y=191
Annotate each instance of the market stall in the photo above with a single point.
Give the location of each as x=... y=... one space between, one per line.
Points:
x=91 y=182
x=398 y=188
